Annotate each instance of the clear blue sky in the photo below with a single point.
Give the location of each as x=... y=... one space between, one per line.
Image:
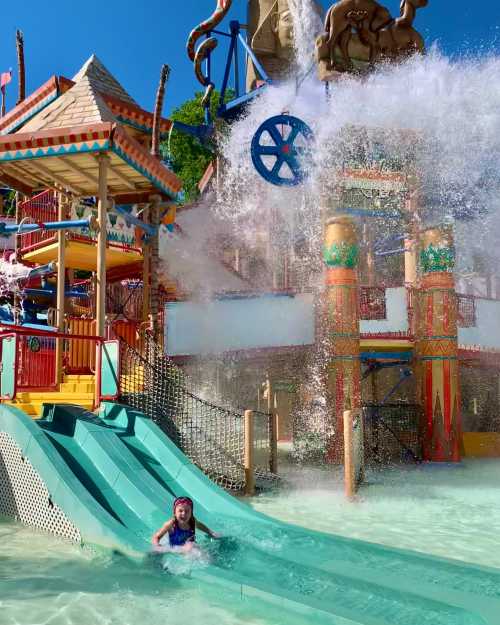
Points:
x=133 y=39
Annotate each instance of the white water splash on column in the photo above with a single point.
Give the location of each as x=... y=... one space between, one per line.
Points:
x=307 y=24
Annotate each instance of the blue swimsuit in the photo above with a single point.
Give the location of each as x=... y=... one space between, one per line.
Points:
x=180 y=537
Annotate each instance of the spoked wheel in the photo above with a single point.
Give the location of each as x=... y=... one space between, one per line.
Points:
x=279 y=148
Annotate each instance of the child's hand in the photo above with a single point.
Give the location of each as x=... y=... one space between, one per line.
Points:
x=161 y=549
x=215 y=535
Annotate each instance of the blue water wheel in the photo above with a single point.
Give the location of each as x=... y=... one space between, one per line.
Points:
x=280 y=148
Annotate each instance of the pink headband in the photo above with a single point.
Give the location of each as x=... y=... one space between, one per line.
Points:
x=183 y=500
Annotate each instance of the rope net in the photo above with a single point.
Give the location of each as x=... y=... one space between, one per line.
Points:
x=212 y=436
x=393 y=433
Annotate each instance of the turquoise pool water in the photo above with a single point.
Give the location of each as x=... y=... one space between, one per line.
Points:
x=453 y=512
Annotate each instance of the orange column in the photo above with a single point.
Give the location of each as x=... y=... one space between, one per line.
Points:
x=341 y=255
x=437 y=347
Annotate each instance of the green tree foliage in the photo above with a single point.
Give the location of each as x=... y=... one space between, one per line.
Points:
x=188 y=158
x=8 y=203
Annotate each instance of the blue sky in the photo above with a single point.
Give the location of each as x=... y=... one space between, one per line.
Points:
x=133 y=39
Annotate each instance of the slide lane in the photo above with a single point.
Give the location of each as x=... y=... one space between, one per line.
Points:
x=128 y=473
x=344 y=570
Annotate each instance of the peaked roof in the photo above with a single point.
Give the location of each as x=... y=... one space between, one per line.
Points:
x=102 y=80
x=83 y=103
x=53 y=142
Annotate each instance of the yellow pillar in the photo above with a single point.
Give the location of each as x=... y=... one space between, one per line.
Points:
x=341 y=255
x=411 y=242
x=437 y=347
x=101 y=245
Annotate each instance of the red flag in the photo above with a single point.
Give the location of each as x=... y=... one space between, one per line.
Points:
x=5 y=78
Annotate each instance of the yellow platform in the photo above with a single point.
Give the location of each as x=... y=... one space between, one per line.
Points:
x=481 y=444
x=385 y=344
x=76 y=389
x=80 y=255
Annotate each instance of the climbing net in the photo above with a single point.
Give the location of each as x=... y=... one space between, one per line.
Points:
x=211 y=436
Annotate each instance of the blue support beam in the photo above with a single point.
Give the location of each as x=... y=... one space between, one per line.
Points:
x=131 y=219
x=77 y=224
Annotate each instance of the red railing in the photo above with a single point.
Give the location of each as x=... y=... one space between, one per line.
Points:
x=36 y=362
x=41 y=208
x=372 y=303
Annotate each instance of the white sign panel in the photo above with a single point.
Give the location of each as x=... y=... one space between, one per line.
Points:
x=233 y=324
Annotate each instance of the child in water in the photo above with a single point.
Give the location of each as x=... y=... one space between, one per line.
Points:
x=181 y=528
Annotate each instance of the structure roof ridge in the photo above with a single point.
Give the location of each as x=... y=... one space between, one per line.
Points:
x=84 y=102
x=102 y=80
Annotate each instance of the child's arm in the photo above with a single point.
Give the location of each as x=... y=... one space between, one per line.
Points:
x=201 y=526
x=165 y=529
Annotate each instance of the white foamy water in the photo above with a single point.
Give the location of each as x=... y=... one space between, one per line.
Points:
x=442 y=510
x=11 y=274
x=442 y=115
x=307 y=24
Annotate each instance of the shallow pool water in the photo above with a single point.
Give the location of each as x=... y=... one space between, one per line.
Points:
x=449 y=511
x=445 y=510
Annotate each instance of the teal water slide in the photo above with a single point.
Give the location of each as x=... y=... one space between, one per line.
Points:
x=114 y=478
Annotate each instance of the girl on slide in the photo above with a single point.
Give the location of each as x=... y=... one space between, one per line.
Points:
x=181 y=528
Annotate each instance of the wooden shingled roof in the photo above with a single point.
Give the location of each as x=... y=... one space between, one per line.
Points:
x=55 y=142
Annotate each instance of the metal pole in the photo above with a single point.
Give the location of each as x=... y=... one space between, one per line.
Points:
x=61 y=279
x=273 y=428
x=2 y=109
x=50 y=225
x=349 y=485
x=248 y=460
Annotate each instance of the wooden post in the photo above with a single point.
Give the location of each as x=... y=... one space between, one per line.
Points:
x=349 y=479
x=17 y=303
x=273 y=428
x=21 y=69
x=101 y=246
x=370 y=256
x=61 y=284
x=248 y=460
x=411 y=243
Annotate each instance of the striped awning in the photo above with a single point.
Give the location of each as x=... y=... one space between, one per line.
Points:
x=65 y=159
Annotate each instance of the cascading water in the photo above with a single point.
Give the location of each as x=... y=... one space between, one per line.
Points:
x=307 y=23
x=434 y=119
x=444 y=114
x=10 y=275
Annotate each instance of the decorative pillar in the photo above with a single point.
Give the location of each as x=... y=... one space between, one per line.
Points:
x=101 y=245
x=341 y=255
x=437 y=347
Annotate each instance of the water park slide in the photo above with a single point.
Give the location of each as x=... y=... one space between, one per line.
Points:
x=115 y=477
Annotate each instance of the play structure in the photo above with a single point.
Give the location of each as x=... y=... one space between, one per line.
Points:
x=100 y=426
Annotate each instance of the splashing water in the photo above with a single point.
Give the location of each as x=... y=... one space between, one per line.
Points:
x=439 y=118
x=11 y=274
x=307 y=24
